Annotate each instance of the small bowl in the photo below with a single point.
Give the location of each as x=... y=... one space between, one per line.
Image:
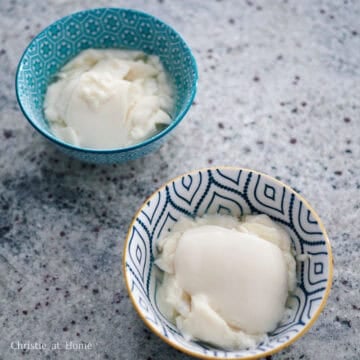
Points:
x=232 y=191
x=103 y=28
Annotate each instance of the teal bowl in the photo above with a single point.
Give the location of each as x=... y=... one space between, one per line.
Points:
x=104 y=28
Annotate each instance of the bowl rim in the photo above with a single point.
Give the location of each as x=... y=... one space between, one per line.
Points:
x=144 y=143
x=280 y=347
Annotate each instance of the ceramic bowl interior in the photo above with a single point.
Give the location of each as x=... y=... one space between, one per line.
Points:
x=228 y=191
x=103 y=28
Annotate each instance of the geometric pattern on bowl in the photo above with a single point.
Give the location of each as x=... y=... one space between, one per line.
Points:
x=237 y=192
x=101 y=29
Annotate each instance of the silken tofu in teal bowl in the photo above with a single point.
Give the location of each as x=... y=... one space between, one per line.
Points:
x=104 y=28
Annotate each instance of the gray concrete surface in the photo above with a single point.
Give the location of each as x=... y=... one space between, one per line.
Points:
x=278 y=92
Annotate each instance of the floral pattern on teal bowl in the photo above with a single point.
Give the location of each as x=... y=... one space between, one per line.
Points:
x=233 y=191
x=103 y=28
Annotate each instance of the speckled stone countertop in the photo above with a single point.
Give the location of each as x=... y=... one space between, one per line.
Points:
x=278 y=92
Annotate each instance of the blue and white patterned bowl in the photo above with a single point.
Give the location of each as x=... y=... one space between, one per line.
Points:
x=232 y=191
x=103 y=28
